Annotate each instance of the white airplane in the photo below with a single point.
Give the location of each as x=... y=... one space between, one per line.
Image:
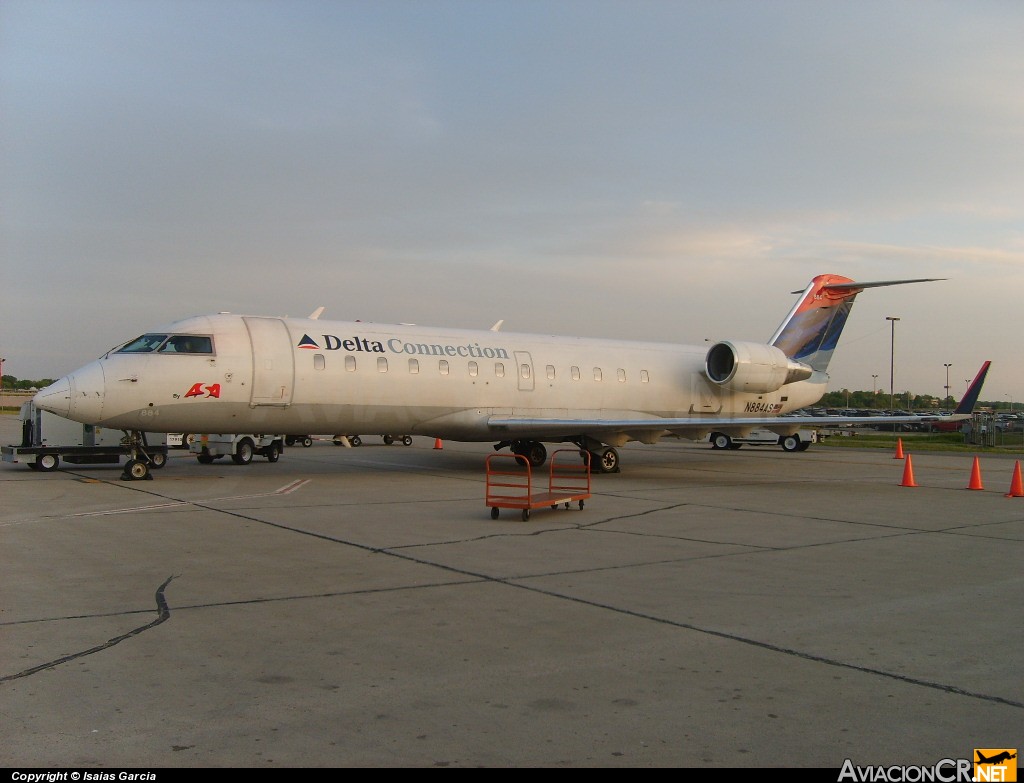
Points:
x=229 y=373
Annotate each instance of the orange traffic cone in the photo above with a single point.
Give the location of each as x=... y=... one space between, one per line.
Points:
x=908 y=474
x=437 y=443
x=1016 y=486
x=975 y=476
x=899 y=449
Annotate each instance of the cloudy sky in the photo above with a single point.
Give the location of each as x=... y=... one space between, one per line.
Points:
x=659 y=170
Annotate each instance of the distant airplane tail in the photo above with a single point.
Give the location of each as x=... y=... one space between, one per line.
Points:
x=971 y=397
x=811 y=330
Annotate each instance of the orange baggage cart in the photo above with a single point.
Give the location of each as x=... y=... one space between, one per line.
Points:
x=510 y=482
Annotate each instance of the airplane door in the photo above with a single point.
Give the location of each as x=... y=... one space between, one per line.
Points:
x=273 y=361
x=524 y=370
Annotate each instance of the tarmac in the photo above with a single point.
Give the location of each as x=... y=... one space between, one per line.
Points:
x=359 y=607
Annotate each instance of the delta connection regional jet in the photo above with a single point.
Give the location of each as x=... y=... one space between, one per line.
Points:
x=230 y=373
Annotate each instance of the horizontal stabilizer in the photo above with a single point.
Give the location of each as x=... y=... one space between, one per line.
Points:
x=854 y=286
x=810 y=332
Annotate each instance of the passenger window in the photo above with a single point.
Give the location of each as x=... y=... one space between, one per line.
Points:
x=382 y=364
x=499 y=370
x=443 y=366
x=524 y=370
x=350 y=363
x=318 y=361
x=414 y=366
x=597 y=374
x=551 y=372
x=644 y=377
x=575 y=373
x=474 y=369
x=621 y=375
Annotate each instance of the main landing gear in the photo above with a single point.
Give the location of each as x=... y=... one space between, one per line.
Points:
x=603 y=459
x=140 y=460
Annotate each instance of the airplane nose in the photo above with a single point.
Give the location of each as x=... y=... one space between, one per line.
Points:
x=78 y=395
x=55 y=398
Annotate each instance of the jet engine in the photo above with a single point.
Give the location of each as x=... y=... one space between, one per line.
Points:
x=752 y=367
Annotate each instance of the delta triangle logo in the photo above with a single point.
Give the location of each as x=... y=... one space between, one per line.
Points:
x=308 y=342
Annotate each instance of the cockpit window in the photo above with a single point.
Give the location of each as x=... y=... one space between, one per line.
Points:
x=145 y=344
x=187 y=343
x=175 y=343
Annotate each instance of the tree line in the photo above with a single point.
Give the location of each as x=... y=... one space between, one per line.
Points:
x=10 y=383
x=908 y=401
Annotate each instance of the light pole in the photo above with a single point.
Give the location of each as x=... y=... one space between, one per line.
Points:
x=874 y=384
x=947 y=366
x=892 y=362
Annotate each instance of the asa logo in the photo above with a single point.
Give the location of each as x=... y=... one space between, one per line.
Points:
x=995 y=764
x=204 y=390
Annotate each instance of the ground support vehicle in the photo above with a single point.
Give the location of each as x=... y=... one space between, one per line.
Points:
x=355 y=440
x=799 y=441
x=510 y=482
x=305 y=440
x=47 y=438
x=241 y=448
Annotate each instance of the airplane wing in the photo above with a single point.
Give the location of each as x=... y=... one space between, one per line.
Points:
x=649 y=428
x=690 y=426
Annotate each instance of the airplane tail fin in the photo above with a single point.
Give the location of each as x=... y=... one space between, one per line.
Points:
x=810 y=332
x=970 y=398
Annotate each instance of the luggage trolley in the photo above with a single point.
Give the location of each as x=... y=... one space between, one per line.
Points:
x=510 y=485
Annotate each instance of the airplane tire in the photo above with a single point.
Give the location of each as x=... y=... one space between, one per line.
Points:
x=533 y=451
x=719 y=440
x=243 y=452
x=790 y=442
x=47 y=462
x=607 y=460
x=135 y=470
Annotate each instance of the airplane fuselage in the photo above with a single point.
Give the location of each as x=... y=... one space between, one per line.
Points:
x=283 y=375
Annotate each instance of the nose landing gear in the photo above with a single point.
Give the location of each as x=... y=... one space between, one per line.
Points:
x=139 y=461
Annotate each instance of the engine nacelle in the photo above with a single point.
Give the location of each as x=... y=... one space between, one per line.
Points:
x=752 y=367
